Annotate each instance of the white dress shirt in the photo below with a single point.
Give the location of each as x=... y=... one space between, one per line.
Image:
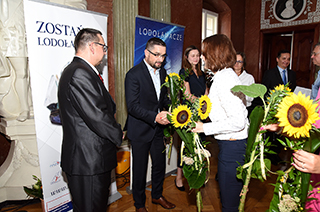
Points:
x=155 y=75
x=281 y=74
x=228 y=114
x=247 y=79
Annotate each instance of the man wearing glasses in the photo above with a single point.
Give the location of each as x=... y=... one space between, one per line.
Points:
x=90 y=132
x=146 y=101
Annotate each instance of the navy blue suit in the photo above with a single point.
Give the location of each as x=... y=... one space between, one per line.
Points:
x=143 y=132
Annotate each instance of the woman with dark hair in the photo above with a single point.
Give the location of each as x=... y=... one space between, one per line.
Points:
x=195 y=84
x=245 y=78
x=229 y=123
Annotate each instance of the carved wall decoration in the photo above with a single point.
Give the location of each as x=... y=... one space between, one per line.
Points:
x=283 y=13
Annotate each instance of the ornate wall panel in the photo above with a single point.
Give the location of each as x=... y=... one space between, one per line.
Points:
x=283 y=13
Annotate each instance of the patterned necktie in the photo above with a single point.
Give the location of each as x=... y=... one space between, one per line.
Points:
x=101 y=77
x=284 y=77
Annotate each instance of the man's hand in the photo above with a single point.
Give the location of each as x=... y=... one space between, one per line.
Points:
x=161 y=118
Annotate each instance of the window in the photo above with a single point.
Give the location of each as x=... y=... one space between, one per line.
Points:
x=209 y=23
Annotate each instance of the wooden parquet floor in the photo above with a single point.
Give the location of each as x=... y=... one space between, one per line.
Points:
x=258 y=198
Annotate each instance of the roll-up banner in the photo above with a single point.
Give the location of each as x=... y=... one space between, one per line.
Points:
x=51 y=29
x=171 y=34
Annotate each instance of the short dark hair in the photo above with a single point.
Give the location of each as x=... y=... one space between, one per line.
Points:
x=318 y=44
x=243 y=55
x=155 y=41
x=283 y=51
x=219 y=52
x=86 y=36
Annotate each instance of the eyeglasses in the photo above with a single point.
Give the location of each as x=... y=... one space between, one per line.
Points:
x=314 y=53
x=239 y=61
x=105 y=48
x=157 y=55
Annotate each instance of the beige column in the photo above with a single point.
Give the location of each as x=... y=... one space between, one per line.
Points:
x=161 y=10
x=125 y=12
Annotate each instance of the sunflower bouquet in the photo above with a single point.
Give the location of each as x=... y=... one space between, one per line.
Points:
x=183 y=116
x=295 y=114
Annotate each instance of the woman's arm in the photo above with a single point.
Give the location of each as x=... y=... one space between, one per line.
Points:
x=188 y=93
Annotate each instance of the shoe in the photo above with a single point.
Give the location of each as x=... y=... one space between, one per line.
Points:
x=141 y=209
x=164 y=203
x=182 y=188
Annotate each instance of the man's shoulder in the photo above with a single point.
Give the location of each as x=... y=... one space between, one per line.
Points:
x=137 y=68
x=78 y=68
x=273 y=69
x=77 y=63
x=271 y=72
x=291 y=71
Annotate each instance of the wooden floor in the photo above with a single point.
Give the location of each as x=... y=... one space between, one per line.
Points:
x=258 y=197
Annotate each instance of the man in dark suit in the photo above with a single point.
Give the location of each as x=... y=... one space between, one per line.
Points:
x=272 y=78
x=280 y=74
x=90 y=131
x=145 y=122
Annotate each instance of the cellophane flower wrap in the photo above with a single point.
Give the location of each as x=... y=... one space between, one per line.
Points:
x=184 y=114
x=296 y=114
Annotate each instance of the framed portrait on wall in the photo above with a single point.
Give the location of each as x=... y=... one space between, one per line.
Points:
x=288 y=10
x=282 y=13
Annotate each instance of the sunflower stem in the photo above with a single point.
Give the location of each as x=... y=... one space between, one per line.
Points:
x=245 y=187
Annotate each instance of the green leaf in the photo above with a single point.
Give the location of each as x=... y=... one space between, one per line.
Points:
x=194 y=178
x=253 y=90
x=168 y=131
x=314 y=142
x=256 y=118
x=305 y=181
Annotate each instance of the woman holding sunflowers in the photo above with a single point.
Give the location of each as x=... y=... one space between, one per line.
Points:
x=229 y=123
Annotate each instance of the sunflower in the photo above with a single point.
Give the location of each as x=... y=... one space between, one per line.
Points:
x=204 y=107
x=173 y=75
x=281 y=87
x=181 y=116
x=296 y=114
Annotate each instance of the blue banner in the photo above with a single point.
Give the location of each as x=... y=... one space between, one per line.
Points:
x=171 y=34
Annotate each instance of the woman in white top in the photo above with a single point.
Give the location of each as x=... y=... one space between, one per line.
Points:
x=245 y=78
x=229 y=123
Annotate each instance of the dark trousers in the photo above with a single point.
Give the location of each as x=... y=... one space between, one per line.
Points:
x=89 y=193
x=140 y=154
x=230 y=152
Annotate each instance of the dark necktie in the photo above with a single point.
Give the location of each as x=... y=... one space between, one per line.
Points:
x=284 y=77
x=101 y=77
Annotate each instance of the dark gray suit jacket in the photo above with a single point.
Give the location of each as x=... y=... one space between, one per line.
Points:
x=90 y=131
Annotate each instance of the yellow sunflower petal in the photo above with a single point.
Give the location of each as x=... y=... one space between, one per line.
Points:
x=297 y=113
x=181 y=116
x=172 y=75
x=204 y=107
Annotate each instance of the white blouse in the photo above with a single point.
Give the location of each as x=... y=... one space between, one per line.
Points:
x=247 y=79
x=228 y=114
